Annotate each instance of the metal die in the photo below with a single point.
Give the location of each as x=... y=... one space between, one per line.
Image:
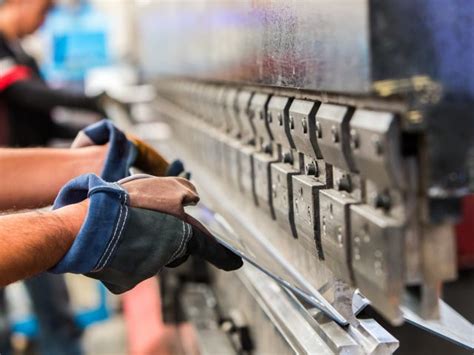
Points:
x=335 y=232
x=378 y=258
x=282 y=195
x=306 y=211
x=262 y=182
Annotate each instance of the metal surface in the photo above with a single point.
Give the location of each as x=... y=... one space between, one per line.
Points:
x=377 y=259
x=303 y=129
x=275 y=42
x=282 y=196
x=306 y=212
x=266 y=259
x=375 y=146
x=301 y=264
x=332 y=130
x=199 y=307
x=345 y=124
x=450 y=324
x=336 y=232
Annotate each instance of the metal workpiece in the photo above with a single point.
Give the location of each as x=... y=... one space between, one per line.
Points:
x=333 y=135
x=258 y=114
x=278 y=122
x=247 y=130
x=262 y=181
x=376 y=339
x=282 y=195
x=377 y=248
x=306 y=211
x=335 y=226
x=277 y=322
x=375 y=145
x=303 y=127
x=298 y=329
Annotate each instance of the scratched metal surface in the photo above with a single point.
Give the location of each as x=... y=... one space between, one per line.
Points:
x=324 y=45
x=320 y=45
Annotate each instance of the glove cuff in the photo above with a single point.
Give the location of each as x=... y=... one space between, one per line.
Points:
x=121 y=153
x=102 y=229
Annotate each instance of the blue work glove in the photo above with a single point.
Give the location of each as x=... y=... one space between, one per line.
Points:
x=124 y=152
x=133 y=230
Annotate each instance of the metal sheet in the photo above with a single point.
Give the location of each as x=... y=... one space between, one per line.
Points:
x=265 y=258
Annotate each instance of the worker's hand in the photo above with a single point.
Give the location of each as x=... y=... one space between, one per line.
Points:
x=124 y=152
x=135 y=228
x=163 y=194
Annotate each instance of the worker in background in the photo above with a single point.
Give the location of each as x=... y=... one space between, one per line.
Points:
x=26 y=101
x=120 y=233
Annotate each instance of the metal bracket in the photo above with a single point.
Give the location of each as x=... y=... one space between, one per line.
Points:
x=375 y=143
x=336 y=232
x=282 y=195
x=233 y=124
x=303 y=127
x=258 y=113
x=306 y=211
x=332 y=130
x=378 y=259
x=278 y=122
x=247 y=132
x=262 y=181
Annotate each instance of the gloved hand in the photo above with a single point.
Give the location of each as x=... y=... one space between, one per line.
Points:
x=125 y=151
x=135 y=228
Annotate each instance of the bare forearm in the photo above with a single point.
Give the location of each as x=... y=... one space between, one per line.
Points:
x=31 y=178
x=33 y=242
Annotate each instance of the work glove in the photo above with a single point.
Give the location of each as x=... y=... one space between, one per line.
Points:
x=124 y=152
x=134 y=228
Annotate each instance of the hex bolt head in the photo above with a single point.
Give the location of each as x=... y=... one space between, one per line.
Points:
x=311 y=168
x=304 y=125
x=262 y=115
x=270 y=116
x=267 y=148
x=344 y=183
x=383 y=201
x=354 y=139
x=280 y=119
x=287 y=158
x=378 y=146
x=334 y=134
x=319 y=132
x=292 y=122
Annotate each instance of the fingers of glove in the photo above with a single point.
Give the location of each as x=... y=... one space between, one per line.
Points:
x=163 y=194
x=209 y=249
x=175 y=168
x=148 y=159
